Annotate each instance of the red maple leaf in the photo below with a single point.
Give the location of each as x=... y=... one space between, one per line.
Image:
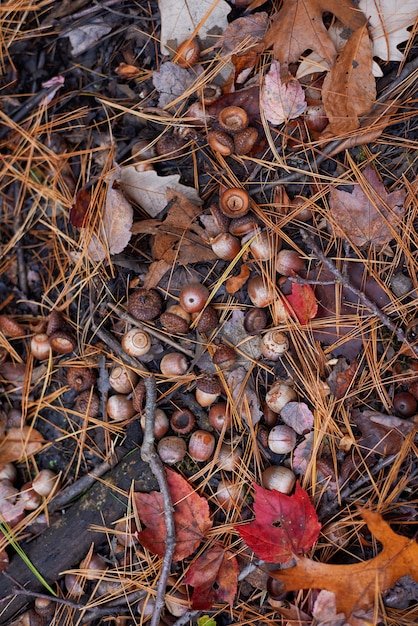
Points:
x=191 y=517
x=284 y=526
x=302 y=302
x=216 y=566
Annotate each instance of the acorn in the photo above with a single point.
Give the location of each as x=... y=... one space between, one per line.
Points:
x=224 y=356
x=255 y=320
x=207 y=320
x=193 y=297
x=208 y=390
x=136 y=342
x=88 y=404
x=245 y=140
x=220 y=416
x=62 y=341
x=235 y=202
x=144 y=304
x=174 y=323
x=241 y=226
x=81 y=378
x=182 y=421
x=174 y=364
x=220 y=142
x=187 y=53
x=201 y=445
x=10 y=328
x=171 y=450
x=210 y=94
x=233 y=119
x=138 y=396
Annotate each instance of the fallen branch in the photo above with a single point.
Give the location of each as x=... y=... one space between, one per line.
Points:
x=150 y=456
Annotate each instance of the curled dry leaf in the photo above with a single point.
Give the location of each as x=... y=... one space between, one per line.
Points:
x=368 y=215
x=234 y=283
x=349 y=89
x=250 y=29
x=114 y=229
x=281 y=101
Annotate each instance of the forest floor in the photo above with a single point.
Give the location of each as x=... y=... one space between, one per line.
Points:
x=115 y=198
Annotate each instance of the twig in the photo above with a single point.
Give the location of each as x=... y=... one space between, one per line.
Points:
x=149 y=455
x=367 y=302
x=82 y=484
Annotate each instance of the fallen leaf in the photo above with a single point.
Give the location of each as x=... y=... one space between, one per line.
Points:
x=191 y=517
x=284 y=526
x=384 y=434
x=325 y=610
x=171 y=81
x=80 y=207
x=214 y=576
x=302 y=454
x=249 y=29
x=20 y=442
x=349 y=89
x=388 y=23
x=180 y=19
x=342 y=377
x=302 y=302
x=368 y=215
x=281 y=101
x=178 y=238
x=84 y=37
x=149 y=190
x=244 y=396
x=234 y=283
x=357 y=585
x=298 y=26
x=298 y=416
x=114 y=229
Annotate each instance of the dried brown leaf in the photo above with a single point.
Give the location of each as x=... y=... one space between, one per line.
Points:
x=349 y=89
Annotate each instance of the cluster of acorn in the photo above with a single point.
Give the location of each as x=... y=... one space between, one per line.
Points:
x=231 y=132
x=15 y=502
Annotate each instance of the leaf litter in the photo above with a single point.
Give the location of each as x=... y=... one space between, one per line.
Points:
x=346 y=361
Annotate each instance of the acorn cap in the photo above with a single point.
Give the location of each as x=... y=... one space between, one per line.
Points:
x=144 y=304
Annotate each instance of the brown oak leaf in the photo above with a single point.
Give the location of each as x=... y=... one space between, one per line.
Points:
x=357 y=585
x=298 y=26
x=369 y=215
x=349 y=89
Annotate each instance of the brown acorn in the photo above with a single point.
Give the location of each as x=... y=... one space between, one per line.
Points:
x=138 y=396
x=10 y=328
x=245 y=140
x=144 y=304
x=235 y=202
x=221 y=142
x=224 y=356
x=88 y=404
x=62 y=341
x=173 y=323
x=208 y=320
x=233 y=119
x=187 y=53
x=81 y=378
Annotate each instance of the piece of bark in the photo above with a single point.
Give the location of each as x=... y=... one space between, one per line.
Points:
x=67 y=541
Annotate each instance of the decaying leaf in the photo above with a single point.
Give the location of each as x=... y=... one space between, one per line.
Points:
x=284 y=526
x=349 y=89
x=171 y=81
x=180 y=18
x=245 y=398
x=281 y=100
x=234 y=283
x=85 y=36
x=249 y=29
x=368 y=215
x=178 y=238
x=384 y=434
x=20 y=442
x=325 y=610
x=149 y=190
x=302 y=302
x=214 y=576
x=357 y=585
x=298 y=416
x=114 y=229
x=191 y=517
x=298 y=26
x=341 y=377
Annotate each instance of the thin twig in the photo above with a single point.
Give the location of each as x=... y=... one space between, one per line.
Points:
x=149 y=455
x=367 y=302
